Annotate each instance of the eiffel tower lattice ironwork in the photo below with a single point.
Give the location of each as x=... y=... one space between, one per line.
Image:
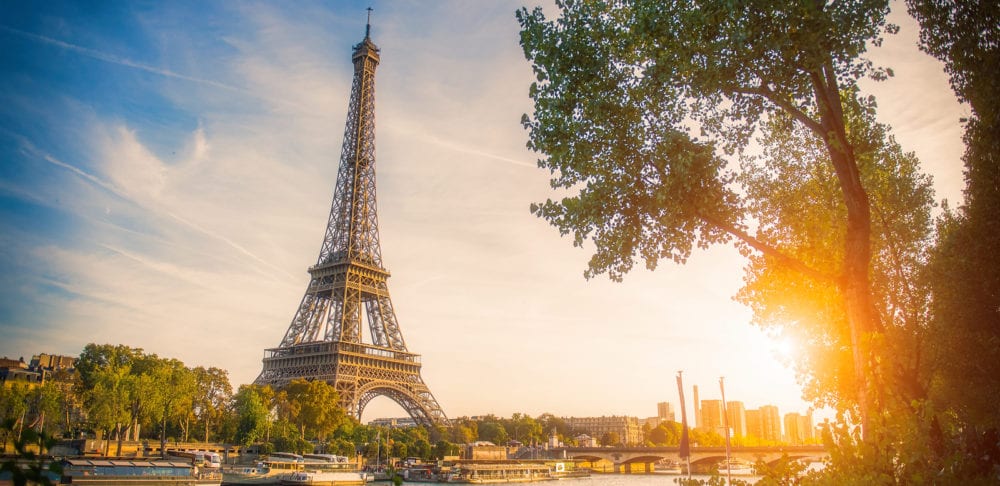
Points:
x=348 y=286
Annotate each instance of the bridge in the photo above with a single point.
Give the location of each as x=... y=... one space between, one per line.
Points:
x=629 y=460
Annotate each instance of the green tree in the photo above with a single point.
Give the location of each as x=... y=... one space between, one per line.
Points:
x=252 y=415
x=342 y=447
x=657 y=436
x=421 y=448
x=111 y=389
x=666 y=434
x=966 y=325
x=464 y=431
x=524 y=428
x=314 y=407
x=444 y=448
x=706 y=438
x=98 y=357
x=67 y=383
x=550 y=423
x=45 y=405
x=212 y=392
x=400 y=449
x=108 y=400
x=794 y=196
x=620 y=84
x=172 y=388
x=609 y=439
x=964 y=360
x=493 y=431
x=13 y=409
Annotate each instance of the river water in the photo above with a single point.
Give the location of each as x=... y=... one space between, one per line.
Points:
x=625 y=480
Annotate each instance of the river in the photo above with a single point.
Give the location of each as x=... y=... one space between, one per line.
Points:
x=624 y=480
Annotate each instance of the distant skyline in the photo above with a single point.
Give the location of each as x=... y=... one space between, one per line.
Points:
x=167 y=171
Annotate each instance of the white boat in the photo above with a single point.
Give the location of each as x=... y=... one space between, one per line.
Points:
x=503 y=472
x=736 y=467
x=324 y=478
x=669 y=467
x=268 y=472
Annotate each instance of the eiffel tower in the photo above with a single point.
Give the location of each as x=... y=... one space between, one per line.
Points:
x=348 y=285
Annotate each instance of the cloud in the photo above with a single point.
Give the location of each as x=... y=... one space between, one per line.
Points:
x=121 y=61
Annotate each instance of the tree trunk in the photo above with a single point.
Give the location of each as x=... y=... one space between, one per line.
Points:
x=163 y=436
x=118 y=432
x=862 y=318
x=20 y=425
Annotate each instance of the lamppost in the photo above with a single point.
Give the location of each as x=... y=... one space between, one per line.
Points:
x=725 y=423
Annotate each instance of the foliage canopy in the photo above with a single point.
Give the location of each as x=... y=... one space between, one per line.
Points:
x=621 y=87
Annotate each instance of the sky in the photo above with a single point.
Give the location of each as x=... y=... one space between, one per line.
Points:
x=166 y=172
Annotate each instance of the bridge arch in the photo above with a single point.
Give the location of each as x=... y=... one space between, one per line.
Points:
x=708 y=460
x=643 y=459
x=797 y=457
x=366 y=393
x=586 y=457
x=701 y=457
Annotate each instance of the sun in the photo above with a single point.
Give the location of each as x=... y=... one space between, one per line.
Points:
x=783 y=347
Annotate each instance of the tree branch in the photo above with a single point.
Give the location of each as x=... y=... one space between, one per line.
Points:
x=781 y=257
x=767 y=93
x=770 y=251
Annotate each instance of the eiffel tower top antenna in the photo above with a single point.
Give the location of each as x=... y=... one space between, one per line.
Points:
x=368 y=26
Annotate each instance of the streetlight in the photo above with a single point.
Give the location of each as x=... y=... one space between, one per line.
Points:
x=725 y=422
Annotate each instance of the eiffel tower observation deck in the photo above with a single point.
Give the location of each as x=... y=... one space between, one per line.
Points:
x=348 y=286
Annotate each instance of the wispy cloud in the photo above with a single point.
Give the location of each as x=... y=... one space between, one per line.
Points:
x=462 y=148
x=31 y=150
x=139 y=188
x=121 y=61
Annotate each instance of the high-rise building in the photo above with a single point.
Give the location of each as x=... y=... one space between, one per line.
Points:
x=665 y=411
x=697 y=409
x=793 y=431
x=798 y=428
x=755 y=427
x=711 y=416
x=807 y=425
x=737 y=418
x=770 y=423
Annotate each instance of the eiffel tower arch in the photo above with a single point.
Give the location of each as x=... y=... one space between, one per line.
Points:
x=348 y=286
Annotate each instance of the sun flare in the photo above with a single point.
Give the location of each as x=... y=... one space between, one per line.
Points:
x=783 y=347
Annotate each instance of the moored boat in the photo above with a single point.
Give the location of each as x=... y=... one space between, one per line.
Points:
x=122 y=472
x=669 y=467
x=264 y=473
x=502 y=472
x=324 y=478
x=567 y=470
x=736 y=467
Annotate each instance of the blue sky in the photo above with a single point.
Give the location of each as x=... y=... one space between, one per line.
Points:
x=166 y=170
